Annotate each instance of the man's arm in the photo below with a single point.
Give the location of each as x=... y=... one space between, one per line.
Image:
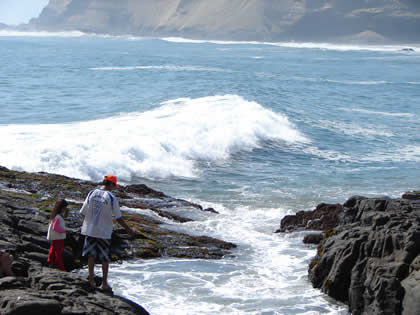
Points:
x=122 y=222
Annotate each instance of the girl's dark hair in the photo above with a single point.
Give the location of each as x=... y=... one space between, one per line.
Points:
x=59 y=206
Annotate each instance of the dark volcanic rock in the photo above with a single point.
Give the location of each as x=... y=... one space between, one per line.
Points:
x=143 y=190
x=370 y=260
x=26 y=201
x=325 y=216
x=313 y=238
x=413 y=195
x=54 y=292
x=411 y=285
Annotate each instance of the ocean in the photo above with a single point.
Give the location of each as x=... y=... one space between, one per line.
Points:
x=255 y=130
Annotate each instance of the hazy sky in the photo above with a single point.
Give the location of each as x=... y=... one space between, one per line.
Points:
x=20 y=11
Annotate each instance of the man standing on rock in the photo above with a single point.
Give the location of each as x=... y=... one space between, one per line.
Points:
x=99 y=207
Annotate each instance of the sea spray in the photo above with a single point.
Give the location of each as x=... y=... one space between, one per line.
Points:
x=158 y=143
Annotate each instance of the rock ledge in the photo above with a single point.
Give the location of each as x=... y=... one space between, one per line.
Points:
x=370 y=259
x=26 y=201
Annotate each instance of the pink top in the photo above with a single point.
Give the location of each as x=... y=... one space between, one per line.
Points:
x=56 y=226
x=57 y=229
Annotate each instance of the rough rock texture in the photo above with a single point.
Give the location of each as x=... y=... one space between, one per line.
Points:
x=324 y=217
x=26 y=200
x=48 y=291
x=263 y=20
x=313 y=238
x=371 y=259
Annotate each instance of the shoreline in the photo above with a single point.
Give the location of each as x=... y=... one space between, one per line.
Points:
x=329 y=45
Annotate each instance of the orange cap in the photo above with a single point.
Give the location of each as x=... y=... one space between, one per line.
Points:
x=112 y=178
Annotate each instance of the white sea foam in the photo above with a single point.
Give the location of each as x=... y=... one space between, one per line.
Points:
x=378 y=112
x=348 y=82
x=159 y=143
x=408 y=153
x=267 y=274
x=66 y=34
x=10 y=33
x=345 y=82
x=354 y=129
x=163 y=67
x=330 y=155
x=202 y=41
x=342 y=47
x=307 y=45
x=357 y=82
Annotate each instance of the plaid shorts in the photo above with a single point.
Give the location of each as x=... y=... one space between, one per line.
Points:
x=97 y=247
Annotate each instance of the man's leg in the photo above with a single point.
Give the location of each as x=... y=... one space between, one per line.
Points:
x=105 y=268
x=91 y=268
x=104 y=247
x=89 y=250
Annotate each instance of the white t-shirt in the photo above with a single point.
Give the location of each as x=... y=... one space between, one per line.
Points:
x=98 y=209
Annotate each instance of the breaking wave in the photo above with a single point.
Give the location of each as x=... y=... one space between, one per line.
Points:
x=167 y=141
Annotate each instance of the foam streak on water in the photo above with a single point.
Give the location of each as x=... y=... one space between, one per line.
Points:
x=162 y=67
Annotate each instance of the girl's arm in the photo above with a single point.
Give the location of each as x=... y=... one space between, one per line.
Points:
x=56 y=226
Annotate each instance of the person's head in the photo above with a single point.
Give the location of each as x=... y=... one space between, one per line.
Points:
x=110 y=182
x=59 y=208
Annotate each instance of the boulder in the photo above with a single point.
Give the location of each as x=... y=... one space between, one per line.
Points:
x=313 y=238
x=411 y=285
x=324 y=217
x=412 y=195
x=370 y=259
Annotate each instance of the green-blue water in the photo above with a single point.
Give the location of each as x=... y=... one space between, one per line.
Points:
x=255 y=130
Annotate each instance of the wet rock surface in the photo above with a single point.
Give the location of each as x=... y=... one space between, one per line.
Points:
x=26 y=201
x=370 y=259
x=324 y=217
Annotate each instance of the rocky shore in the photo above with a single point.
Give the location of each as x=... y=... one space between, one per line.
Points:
x=368 y=254
x=26 y=200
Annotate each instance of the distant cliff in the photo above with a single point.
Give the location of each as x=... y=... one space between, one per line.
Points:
x=262 y=20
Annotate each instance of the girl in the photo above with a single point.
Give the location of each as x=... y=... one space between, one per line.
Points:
x=57 y=234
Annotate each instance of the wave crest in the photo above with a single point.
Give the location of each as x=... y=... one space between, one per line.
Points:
x=167 y=141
